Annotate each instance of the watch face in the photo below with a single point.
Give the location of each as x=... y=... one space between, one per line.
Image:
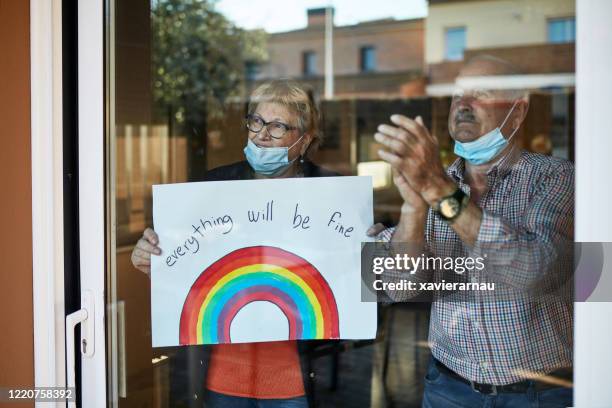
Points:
x=449 y=207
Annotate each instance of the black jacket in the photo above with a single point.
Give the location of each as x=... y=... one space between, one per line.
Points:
x=189 y=364
x=243 y=171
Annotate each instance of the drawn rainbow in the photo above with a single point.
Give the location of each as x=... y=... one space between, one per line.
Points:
x=259 y=273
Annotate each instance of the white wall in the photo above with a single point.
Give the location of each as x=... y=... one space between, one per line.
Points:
x=492 y=23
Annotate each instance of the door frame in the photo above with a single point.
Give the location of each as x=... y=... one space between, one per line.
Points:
x=47 y=192
x=93 y=219
x=593 y=220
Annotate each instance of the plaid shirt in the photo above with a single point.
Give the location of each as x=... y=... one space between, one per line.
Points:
x=527 y=209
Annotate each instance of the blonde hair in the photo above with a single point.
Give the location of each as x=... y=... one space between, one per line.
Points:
x=297 y=98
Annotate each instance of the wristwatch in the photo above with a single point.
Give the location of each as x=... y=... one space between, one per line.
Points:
x=449 y=207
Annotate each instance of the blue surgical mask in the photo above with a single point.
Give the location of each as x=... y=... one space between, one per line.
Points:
x=268 y=160
x=487 y=146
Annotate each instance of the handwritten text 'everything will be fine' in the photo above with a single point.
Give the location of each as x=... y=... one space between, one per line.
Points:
x=225 y=224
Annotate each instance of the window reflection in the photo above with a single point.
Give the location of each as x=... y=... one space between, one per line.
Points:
x=309 y=63
x=184 y=70
x=562 y=30
x=367 y=58
x=455 y=43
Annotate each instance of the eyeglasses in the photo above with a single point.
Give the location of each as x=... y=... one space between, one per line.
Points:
x=276 y=130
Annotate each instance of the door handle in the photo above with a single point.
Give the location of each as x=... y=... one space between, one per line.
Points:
x=84 y=317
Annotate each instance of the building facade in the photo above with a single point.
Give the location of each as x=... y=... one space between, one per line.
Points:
x=538 y=36
x=378 y=58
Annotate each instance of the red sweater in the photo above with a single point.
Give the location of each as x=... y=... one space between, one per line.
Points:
x=268 y=370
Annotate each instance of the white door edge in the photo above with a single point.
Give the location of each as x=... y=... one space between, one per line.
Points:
x=47 y=193
x=91 y=189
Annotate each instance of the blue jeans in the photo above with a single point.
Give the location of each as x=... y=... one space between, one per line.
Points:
x=217 y=400
x=443 y=391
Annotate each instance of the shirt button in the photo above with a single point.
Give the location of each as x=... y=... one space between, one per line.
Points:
x=484 y=365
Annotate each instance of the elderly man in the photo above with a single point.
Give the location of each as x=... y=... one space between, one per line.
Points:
x=495 y=199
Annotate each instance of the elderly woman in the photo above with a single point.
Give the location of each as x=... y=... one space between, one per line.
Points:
x=283 y=124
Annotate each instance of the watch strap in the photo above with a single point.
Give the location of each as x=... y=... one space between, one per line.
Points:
x=459 y=196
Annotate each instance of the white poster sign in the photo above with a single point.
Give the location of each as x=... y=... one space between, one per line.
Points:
x=260 y=260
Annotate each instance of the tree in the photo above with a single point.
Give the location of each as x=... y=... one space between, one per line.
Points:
x=199 y=59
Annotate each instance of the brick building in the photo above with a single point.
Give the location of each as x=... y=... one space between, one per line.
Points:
x=370 y=59
x=538 y=36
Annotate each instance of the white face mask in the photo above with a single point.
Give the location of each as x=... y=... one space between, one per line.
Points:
x=487 y=146
x=268 y=160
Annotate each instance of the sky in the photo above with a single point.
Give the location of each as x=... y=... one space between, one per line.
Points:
x=285 y=15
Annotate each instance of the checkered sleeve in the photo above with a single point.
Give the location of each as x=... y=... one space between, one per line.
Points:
x=521 y=253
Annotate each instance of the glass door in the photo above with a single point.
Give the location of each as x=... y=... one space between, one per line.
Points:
x=164 y=88
x=177 y=80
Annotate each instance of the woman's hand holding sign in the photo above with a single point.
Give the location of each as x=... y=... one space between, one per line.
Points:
x=145 y=247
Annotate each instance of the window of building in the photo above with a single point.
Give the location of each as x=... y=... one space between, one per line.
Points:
x=367 y=59
x=251 y=69
x=455 y=43
x=309 y=63
x=562 y=30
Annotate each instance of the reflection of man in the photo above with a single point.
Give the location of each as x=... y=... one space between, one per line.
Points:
x=498 y=197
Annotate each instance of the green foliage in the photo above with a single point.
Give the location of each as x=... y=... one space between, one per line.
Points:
x=199 y=59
